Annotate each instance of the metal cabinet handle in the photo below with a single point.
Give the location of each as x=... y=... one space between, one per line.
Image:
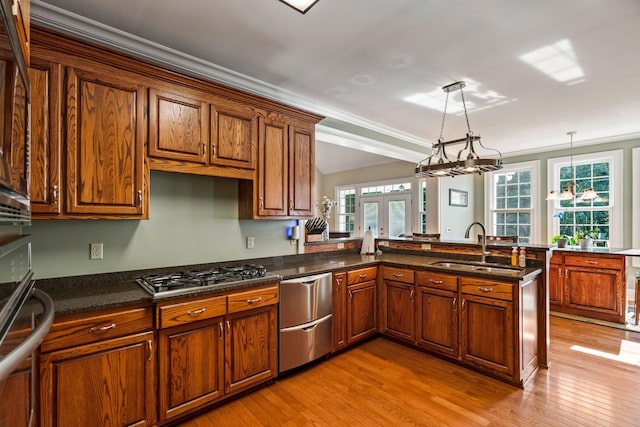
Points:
x=196 y=312
x=293 y=205
x=204 y=148
x=455 y=305
x=398 y=275
x=221 y=330
x=435 y=282
x=350 y=295
x=363 y=276
x=150 y=349
x=485 y=290
x=213 y=150
x=140 y=198
x=54 y=195
x=339 y=282
x=589 y=261
x=261 y=202
x=411 y=295
x=251 y=301
x=228 y=328
x=102 y=328
x=463 y=304
x=566 y=274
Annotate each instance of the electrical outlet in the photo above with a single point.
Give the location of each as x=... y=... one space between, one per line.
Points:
x=426 y=246
x=251 y=242
x=340 y=245
x=95 y=251
x=383 y=243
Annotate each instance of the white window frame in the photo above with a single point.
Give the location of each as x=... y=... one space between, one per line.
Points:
x=616 y=200
x=338 y=215
x=489 y=190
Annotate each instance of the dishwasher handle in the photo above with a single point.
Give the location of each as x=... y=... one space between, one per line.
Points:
x=306 y=326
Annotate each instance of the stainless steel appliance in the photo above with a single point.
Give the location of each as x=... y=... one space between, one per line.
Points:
x=188 y=282
x=305 y=320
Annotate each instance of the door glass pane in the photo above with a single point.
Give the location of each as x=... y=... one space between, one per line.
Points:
x=396 y=218
x=371 y=219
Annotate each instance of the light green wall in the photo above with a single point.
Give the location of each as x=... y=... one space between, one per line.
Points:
x=193 y=219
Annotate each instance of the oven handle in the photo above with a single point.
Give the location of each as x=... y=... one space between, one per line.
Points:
x=18 y=355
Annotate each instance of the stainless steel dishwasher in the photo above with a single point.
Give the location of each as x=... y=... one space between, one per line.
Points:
x=305 y=320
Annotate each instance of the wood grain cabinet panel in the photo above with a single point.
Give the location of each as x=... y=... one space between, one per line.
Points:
x=398 y=303
x=233 y=134
x=339 y=312
x=191 y=367
x=301 y=171
x=46 y=149
x=105 y=140
x=107 y=383
x=273 y=180
x=437 y=313
x=361 y=311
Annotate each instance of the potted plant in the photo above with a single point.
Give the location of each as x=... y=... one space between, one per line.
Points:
x=560 y=239
x=583 y=238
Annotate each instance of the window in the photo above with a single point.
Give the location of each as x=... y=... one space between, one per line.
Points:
x=602 y=215
x=422 y=205
x=511 y=210
x=346 y=216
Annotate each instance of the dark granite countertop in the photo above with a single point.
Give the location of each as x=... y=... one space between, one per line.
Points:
x=95 y=292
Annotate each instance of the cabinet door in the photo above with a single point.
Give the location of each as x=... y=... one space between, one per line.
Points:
x=15 y=408
x=399 y=310
x=251 y=348
x=105 y=140
x=111 y=382
x=46 y=103
x=437 y=321
x=361 y=311
x=21 y=10
x=233 y=135
x=301 y=171
x=178 y=126
x=191 y=367
x=273 y=168
x=596 y=292
x=487 y=334
x=555 y=285
x=339 y=316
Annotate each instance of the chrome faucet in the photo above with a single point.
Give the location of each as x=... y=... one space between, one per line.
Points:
x=484 y=239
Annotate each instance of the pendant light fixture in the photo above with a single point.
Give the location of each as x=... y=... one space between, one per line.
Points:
x=301 y=6
x=467 y=161
x=569 y=193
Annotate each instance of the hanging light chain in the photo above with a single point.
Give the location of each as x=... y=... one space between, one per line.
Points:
x=464 y=105
x=444 y=115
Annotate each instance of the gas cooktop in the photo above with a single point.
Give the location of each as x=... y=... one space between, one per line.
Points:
x=186 y=282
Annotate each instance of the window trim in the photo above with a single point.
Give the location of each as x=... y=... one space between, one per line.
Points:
x=615 y=190
x=534 y=167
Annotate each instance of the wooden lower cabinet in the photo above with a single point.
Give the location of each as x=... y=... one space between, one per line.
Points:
x=339 y=312
x=109 y=382
x=16 y=410
x=362 y=307
x=398 y=303
x=589 y=285
x=487 y=323
x=251 y=348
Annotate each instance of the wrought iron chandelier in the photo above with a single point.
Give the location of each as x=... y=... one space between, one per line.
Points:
x=569 y=193
x=467 y=161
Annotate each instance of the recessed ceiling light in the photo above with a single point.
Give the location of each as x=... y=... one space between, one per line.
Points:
x=557 y=60
x=301 y=6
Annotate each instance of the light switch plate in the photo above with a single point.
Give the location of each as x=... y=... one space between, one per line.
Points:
x=251 y=242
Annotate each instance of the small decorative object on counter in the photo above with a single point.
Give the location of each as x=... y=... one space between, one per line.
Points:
x=368 y=243
x=327 y=204
x=316 y=228
x=514 y=256
x=522 y=260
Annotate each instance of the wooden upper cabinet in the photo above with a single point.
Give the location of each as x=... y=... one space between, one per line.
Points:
x=21 y=10
x=233 y=134
x=301 y=171
x=105 y=143
x=46 y=87
x=273 y=169
x=178 y=127
x=196 y=128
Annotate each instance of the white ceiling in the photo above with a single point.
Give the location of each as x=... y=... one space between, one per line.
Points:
x=355 y=61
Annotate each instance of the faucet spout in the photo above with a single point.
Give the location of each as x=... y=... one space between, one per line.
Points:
x=484 y=238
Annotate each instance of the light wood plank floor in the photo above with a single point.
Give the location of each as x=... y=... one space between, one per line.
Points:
x=594 y=380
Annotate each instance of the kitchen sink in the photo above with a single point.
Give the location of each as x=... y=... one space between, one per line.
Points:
x=482 y=268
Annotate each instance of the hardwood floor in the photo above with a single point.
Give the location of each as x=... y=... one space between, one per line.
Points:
x=594 y=380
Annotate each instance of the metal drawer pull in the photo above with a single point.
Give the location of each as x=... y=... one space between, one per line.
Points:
x=221 y=330
x=150 y=347
x=436 y=282
x=196 y=312
x=251 y=301
x=102 y=329
x=363 y=276
x=54 y=195
x=485 y=290
x=588 y=261
x=398 y=275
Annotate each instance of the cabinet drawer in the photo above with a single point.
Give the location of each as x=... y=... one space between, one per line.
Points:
x=361 y=275
x=77 y=330
x=254 y=298
x=398 y=274
x=555 y=259
x=191 y=311
x=487 y=288
x=437 y=280
x=616 y=263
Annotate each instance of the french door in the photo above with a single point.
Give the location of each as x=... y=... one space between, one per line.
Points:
x=387 y=215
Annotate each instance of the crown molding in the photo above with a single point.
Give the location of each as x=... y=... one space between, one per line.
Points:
x=65 y=22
